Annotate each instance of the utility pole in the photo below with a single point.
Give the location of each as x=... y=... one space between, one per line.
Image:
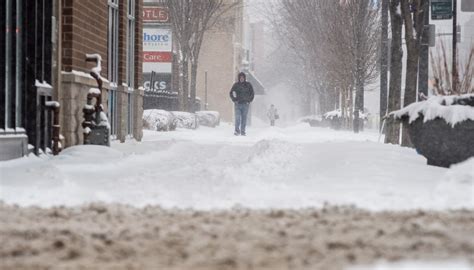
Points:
x=454 y=67
x=423 y=64
x=384 y=63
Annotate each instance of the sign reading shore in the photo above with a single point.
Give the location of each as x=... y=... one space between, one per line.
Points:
x=156 y=40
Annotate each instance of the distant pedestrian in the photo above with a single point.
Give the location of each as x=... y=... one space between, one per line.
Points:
x=272 y=115
x=242 y=95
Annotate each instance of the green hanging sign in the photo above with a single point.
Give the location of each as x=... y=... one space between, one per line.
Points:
x=441 y=9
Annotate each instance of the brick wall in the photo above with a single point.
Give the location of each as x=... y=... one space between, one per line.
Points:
x=139 y=44
x=84 y=30
x=122 y=43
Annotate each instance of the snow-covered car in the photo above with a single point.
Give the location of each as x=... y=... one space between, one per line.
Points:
x=186 y=120
x=159 y=120
x=333 y=119
x=208 y=118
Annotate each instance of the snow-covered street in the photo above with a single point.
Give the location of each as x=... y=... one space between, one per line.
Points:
x=237 y=135
x=280 y=198
x=292 y=167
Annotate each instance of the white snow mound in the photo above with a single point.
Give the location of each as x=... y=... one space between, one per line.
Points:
x=457 y=186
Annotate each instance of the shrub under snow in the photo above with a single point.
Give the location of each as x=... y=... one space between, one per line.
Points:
x=159 y=120
x=208 y=118
x=312 y=120
x=186 y=120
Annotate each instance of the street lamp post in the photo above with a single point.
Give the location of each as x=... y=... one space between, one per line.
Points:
x=454 y=68
x=205 y=89
x=384 y=63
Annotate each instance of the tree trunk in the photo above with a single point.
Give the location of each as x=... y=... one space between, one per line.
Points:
x=412 y=38
x=392 y=134
x=384 y=63
x=359 y=98
x=410 y=86
x=185 y=84
x=194 y=68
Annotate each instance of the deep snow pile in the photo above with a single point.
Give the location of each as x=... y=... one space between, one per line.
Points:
x=417 y=265
x=210 y=168
x=120 y=237
x=457 y=186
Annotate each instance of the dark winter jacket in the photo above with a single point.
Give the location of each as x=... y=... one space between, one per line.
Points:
x=242 y=92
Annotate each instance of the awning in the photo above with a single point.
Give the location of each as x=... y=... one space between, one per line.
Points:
x=258 y=87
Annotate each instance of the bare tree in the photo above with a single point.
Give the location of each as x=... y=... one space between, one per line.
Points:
x=337 y=43
x=442 y=72
x=413 y=18
x=363 y=24
x=181 y=14
x=392 y=134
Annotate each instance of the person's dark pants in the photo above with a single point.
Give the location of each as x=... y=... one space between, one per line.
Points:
x=241 y=111
x=272 y=122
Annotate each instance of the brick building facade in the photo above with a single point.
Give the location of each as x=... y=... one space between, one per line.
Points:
x=111 y=28
x=44 y=46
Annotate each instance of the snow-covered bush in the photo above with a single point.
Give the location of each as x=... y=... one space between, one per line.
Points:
x=312 y=120
x=159 y=120
x=441 y=70
x=333 y=114
x=208 y=118
x=186 y=120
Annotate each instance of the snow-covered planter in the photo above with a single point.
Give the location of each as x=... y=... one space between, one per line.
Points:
x=208 y=118
x=334 y=119
x=441 y=128
x=186 y=120
x=159 y=120
x=313 y=120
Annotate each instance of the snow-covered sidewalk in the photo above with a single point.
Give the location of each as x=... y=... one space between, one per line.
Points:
x=209 y=168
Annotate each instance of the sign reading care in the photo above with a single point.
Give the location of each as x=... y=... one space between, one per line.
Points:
x=157 y=40
x=157 y=57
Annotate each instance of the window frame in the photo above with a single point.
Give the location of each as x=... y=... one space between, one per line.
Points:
x=113 y=62
x=130 y=61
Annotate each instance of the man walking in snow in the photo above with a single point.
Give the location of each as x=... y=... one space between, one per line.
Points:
x=241 y=94
x=272 y=114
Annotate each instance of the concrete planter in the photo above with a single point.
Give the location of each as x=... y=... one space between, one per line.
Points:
x=441 y=143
